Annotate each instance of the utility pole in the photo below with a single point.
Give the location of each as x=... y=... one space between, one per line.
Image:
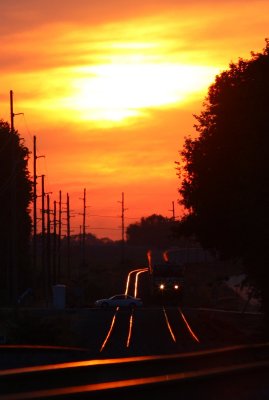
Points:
x=12 y=114
x=173 y=211
x=122 y=229
x=48 y=269
x=84 y=228
x=80 y=236
x=11 y=111
x=54 y=252
x=59 y=235
x=80 y=239
x=122 y=216
x=43 y=205
x=12 y=273
x=43 y=232
x=68 y=235
x=35 y=205
x=34 y=208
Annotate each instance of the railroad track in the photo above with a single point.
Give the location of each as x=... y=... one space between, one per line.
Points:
x=120 y=331
x=200 y=372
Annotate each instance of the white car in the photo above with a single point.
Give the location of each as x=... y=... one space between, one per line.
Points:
x=119 y=300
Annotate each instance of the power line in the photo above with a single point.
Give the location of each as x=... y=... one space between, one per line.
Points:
x=104 y=216
x=111 y=229
x=112 y=216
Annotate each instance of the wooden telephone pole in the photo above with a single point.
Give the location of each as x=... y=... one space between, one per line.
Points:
x=173 y=211
x=34 y=208
x=84 y=229
x=54 y=251
x=11 y=111
x=123 y=209
x=43 y=232
x=59 y=274
x=68 y=235
x=12 y=271
x=48 y=253
x=35 y=196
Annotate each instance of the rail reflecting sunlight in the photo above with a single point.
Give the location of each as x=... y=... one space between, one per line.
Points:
x=138 y=270
x=169 y=326
x=136 y=280
x=130 y=330
x=110 y=330
x=188 y=326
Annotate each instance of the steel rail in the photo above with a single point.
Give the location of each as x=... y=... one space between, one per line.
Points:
x=98 y=375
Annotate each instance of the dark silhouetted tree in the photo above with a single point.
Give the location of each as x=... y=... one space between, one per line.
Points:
x=15 y=227
x=225 y=168
x=154 y=230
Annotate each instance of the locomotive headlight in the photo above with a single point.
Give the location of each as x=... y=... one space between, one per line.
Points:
x=176 y=286
x=162 y=286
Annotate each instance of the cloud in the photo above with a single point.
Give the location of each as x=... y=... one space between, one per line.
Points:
x=50 y=51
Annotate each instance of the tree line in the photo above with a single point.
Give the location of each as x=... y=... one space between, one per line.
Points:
x=15 y=200
x=224 y=170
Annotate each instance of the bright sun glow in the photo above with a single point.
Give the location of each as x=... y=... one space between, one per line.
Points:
x=115 y=92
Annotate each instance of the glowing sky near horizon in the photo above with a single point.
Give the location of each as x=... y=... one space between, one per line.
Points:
x=110 y=89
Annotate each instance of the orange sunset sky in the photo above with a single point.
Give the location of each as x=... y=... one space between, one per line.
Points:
x=109 y=89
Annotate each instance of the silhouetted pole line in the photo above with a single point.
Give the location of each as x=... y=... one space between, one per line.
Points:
x=12 y=273
x=35 y=196
x=122 y=216
x=43 y=232
x=83 y=233
x=54 y=251
x=59 y=236
x=80 y=238
x=12 y=270
x=46 y=240
x=84 y=225
x=122 y=228
x=173 y=211
x=11 y=112
x=67 y=242
x=49 y=268
x=34 y=206
x=68 y=235
x=43 y=205
x=48 y=254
